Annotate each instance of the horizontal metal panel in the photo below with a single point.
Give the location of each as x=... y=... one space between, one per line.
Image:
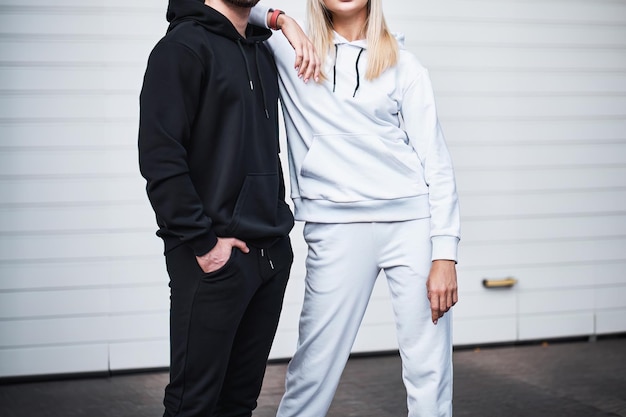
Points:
x=65 y=162
x=485 y=304
x=537 y=155
x=72 y=81
x=71 y=220
x=65 y=105
x=138 y=327
x=549 y=228
x=541 y=107
x=515 y=83
x=502 y=31
x=476 y=331
x=47 y=360
x=149 y=298
x=55 y=303
x=541 y=204
x=611 y=321
x=542 y=253
x=551 y=12
x=92 y=246
x=44 y=50
x=55 y=331
x=139 y=355
x=35 y=80
x=518 y=57
x=529 y=131
x=84 y=21
x=67 y=6
x=74 y=135
x=128 y=300
x=551 y=277
x=556 y=325
x=134 y=23
x=611 y=297
x=561 y=300
x=548 y=12
x=534 y=179
x=71 y=190
x=510 y=11
x=57 y=274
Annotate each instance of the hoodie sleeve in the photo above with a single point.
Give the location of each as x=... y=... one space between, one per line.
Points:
x=425 y=135
x=168 y=102
x=278 y=43
x=258 y=15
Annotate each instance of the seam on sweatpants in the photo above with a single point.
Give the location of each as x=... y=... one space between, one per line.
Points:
x=182 y=394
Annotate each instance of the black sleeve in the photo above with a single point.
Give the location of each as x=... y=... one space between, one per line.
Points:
x=168 y=103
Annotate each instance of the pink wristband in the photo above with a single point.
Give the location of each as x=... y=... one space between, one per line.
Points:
x=274 y=19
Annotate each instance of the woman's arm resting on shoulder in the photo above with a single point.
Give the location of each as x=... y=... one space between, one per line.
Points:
x=307 y=61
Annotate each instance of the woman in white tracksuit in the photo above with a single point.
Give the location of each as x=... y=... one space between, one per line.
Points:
x=372 y=178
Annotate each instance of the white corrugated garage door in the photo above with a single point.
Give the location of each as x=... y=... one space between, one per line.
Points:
x=532 y=97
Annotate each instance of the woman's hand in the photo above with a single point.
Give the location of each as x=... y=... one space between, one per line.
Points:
x=307 y=60
x=442 y=288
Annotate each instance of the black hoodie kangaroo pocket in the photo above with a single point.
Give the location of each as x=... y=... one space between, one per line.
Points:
x=255 y=212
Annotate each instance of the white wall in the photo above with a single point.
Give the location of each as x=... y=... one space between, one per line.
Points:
x=532 y=97
x=82 y=281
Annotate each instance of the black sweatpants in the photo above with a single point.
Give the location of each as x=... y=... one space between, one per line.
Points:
x=222 y=326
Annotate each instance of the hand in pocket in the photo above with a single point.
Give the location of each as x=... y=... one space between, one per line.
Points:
x=217 y=257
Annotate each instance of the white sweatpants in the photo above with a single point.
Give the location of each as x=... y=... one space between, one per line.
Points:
x=342 y=265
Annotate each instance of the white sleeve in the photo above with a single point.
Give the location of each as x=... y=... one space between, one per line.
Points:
x=425 y=135
x=258 y=15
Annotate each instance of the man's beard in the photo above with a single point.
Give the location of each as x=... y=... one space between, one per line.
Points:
x=242 y=3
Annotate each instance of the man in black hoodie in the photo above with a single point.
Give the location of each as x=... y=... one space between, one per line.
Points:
x=208 y=148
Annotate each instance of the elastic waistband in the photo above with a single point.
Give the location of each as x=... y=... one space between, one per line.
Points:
x=325 y=211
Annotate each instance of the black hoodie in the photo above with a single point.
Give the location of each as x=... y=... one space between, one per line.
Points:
x=208 y=133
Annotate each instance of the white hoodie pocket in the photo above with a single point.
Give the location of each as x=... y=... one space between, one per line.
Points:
x=346 y=168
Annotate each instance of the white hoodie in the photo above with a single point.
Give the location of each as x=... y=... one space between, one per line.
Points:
x=366 y=151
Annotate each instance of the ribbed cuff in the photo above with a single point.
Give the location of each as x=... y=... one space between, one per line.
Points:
x=203 y=244
x=445 y=247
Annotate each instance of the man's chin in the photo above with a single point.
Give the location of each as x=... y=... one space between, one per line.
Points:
x=242 y=3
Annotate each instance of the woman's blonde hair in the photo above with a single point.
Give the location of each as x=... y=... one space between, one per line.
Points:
x=382 y=46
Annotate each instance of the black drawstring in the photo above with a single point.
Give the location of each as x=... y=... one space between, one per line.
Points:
x=358 y=77
x=243 y=53
x=335 y=67
x=258 y=72
x=358 y=80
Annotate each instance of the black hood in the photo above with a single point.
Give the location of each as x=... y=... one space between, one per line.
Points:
x=179 y=11
x=208 y=133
